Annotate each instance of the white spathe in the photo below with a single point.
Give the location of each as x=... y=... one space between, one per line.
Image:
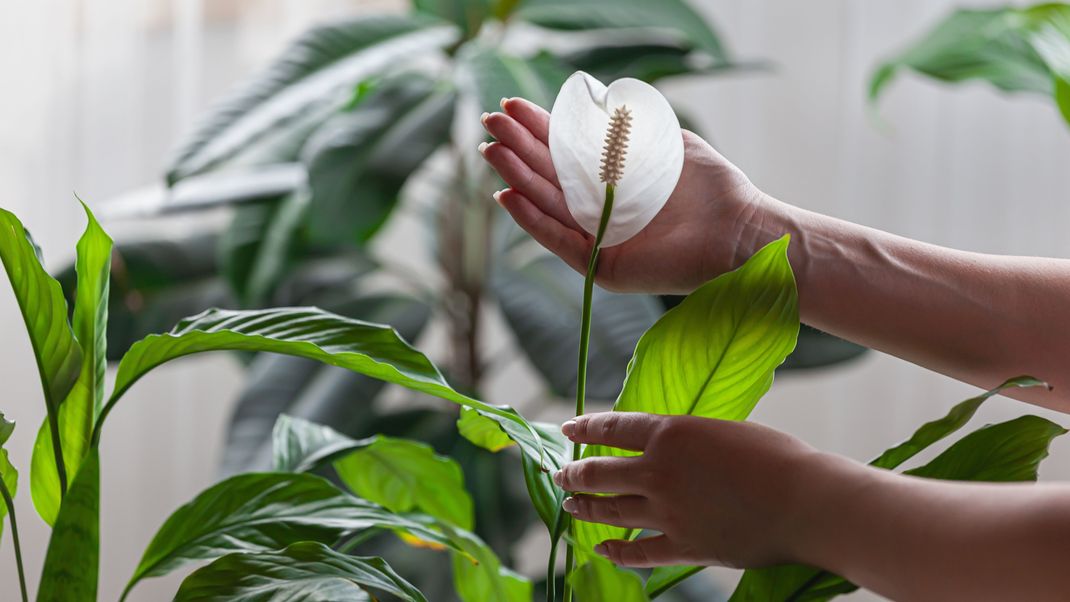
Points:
x=652 y=164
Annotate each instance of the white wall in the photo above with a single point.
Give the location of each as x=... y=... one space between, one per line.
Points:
x=95 y=93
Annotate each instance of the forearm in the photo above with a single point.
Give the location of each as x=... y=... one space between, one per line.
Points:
x=978 y=318
x=918 y=539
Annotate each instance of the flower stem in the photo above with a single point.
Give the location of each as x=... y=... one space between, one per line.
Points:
x=581 y=370
x=15 y=537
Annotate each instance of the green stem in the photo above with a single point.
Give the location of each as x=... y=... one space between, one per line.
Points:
x=581 y=370
x=57 y=451
x=15 y=538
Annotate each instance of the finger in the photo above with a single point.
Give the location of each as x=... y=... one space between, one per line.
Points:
x=518 y=175
x=624 y=430
x=566 y=243
x=607 y=474
x=530 y=115
x=530 y=149
x=628 y=511
x=640 y=553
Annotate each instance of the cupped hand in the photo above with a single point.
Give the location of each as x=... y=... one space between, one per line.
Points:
x=691 y=240
x=733 y=494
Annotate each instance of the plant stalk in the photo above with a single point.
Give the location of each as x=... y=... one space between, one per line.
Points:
x=57 y=451
x=581 y=370
x=10 y=503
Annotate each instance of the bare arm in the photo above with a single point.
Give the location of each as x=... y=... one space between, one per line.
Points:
x=978 y=318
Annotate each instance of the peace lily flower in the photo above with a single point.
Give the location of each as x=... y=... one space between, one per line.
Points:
x=628 y=128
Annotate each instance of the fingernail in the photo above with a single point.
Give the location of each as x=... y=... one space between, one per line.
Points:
x=568 y=428
x=570 y=505
x=602 y=549
x=498 y=196
x=559 y=478
x=482 y=148
x=502 y=103
x=483 y=118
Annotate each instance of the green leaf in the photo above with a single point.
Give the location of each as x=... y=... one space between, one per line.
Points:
x=312 y=79
x=713 y=355
x=406 y=476
x=73 y=559
x=664 y=578
x=466 y=14
x=599 y=579
x=79 y=410
x=371 y=349
x=308 y=571
x=9 y=477
x=479 y=577
x=258 y=247
x=934 y=431
x=489 y=74
x=482 y=431
x=44 y=312
x=671 y=15
x=277 y=384
x=261 y=512
x=303 y=446
x=541 y=303
x=359 y=160
x=1014 y=49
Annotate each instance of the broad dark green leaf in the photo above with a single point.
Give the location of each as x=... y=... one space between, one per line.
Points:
x=306 y=572
x=359 y=160
x=309 y=390
x=261 y=512
x=9 y=477
x=79 y=410
x=256 y=249
x=714 y=355
x=489 y=74
x=649 y=61
x=407 y=476
x=371 y=349
x=479 y=576
x=466 y=14
x=1014 y=49
x=73 y=559
x=664 y=578
x=44 y=311
x=934 y=431
x=675 y=16
x=541 y=302
x=1004 y=452
x=303 y=446
x=306 y=83
x=482 y=432
x=599 y=579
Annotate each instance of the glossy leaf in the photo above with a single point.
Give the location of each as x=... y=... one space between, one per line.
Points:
x=371 y=349
x=72 y=563
x=312 y=78
x=489 y=74
x=260 y=512
x=479 y=576
x=541 y=304
x=79 y=410
x=934 y=431
x=303 y=446
x=672 y=15
x=407 y=476
x=309 y=390
x=466 y=14
x=9 y=477
x=1014 y=49
x=258 y=245
x=748 y=320
x=359 y=160
x=664 y=578
x=307 y=571
x=647 y=61
x=482 y=432
x=599 y=579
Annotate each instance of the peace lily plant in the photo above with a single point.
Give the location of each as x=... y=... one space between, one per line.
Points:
x=288 y=532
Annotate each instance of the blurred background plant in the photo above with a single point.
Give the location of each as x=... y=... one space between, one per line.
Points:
x=363 y=118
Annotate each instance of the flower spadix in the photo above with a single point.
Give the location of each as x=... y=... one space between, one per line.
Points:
x=625 y=135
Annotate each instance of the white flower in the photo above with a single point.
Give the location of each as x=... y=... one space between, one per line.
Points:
x=643 y=168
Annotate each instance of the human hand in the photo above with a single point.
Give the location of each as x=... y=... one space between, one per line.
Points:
x=691 y=240
x=733 y=494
